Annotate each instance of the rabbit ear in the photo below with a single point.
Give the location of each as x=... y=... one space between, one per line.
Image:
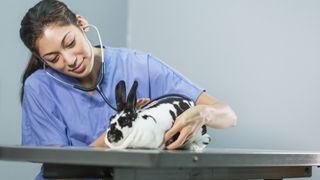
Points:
x=120 y=95
x=132 y=98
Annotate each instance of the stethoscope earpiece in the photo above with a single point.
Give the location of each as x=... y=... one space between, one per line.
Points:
x=85 y=28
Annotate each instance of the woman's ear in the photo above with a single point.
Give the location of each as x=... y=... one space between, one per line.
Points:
x=83 y=23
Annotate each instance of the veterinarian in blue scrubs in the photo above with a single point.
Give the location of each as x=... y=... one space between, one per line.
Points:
x=55 y=114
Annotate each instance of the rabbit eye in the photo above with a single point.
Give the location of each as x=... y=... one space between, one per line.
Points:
x=125 y=121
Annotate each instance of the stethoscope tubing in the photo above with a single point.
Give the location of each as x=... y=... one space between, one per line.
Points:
x=97 y=86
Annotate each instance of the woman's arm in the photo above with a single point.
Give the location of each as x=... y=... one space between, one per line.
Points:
x=208 y=111
x=99 y=142
x=216 y=113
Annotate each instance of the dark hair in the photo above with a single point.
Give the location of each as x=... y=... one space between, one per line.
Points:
x=43 y=14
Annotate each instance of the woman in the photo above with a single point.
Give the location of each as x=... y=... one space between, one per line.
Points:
x=57 y=114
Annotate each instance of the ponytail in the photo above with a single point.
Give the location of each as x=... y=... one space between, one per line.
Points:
x=33 y=65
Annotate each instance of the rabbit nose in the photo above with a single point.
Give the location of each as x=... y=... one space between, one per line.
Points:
x=114 y=135
x=111 y=138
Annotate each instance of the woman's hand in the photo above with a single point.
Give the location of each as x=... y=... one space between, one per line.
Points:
x=141 y=102
x=99 y=142
x=208 y=111
x=188 y=123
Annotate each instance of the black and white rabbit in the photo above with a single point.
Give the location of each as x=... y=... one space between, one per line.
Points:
x=145 y=128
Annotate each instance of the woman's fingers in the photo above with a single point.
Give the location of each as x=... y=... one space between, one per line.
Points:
x=177 y=126
x=186 y=129
x=184 y=133
x=186 y=118
x=141 y=102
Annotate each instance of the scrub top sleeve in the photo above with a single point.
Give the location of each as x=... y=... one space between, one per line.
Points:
x=40 y=122
x=163 y=79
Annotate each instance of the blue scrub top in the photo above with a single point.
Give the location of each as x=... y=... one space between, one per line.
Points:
x=56 y=114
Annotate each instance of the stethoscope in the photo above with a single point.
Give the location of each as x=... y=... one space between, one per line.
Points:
x=97 y=85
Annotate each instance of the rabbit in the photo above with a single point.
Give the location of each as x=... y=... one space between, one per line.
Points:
x=145 y=128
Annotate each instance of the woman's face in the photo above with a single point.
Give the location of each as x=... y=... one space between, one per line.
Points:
x=65 y=49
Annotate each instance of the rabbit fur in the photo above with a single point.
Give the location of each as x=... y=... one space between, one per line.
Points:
x=145 y=128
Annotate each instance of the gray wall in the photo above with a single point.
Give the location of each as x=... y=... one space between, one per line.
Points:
x=111 y=19
x=262 y=57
